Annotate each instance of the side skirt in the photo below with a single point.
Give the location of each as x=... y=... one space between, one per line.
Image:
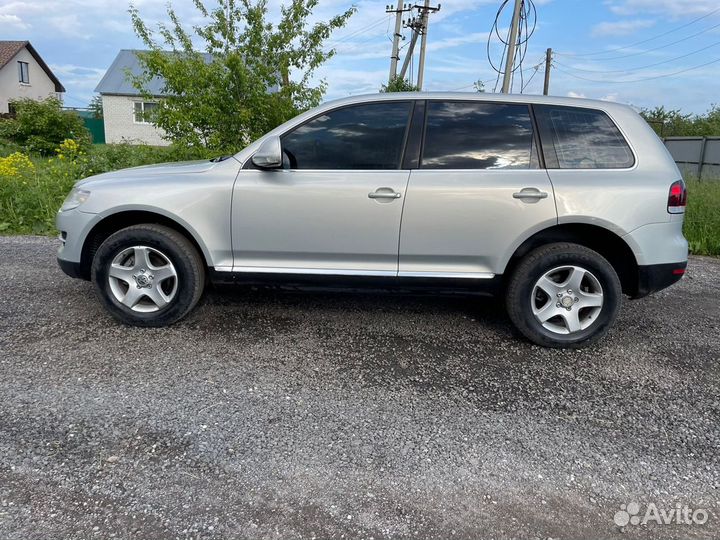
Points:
x=412 y=285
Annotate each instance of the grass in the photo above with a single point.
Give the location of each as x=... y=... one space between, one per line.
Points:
x=30 y=198
x=702 y=217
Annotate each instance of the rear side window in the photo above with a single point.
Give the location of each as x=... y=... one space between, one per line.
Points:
x=477 y=135
x=582 y=139
x=367 y=136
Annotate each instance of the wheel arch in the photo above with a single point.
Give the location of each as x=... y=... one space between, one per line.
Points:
x=606 y=242
x=111 y=223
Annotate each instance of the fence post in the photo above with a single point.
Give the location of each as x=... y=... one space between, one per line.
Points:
x=702 y=158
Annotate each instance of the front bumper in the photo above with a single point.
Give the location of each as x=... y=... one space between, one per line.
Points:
x=74 y=226
x=655 y=277
x=72 y=269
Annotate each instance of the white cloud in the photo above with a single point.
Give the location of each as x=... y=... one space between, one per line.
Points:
x=576 y=94
x=621 y=28
x=674 y=8
x=13 y=21
x=456 y=41
x=70 y=26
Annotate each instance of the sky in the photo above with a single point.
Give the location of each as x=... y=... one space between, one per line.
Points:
x=642 y=52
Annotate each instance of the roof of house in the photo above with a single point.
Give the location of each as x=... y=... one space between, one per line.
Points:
x=116 y=80
x=9 y=49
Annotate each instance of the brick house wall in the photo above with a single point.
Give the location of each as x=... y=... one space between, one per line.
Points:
x=120 y=124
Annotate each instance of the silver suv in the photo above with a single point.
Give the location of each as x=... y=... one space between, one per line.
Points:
x=562 y=205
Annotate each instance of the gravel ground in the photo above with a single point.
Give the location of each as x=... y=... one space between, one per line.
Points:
x=276 y=414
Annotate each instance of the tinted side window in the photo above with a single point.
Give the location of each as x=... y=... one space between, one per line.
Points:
x=369 y=136
x=583 y=138
x=475 y=135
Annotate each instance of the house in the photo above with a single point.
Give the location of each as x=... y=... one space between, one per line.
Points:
x=24 y=74
x=124 y=106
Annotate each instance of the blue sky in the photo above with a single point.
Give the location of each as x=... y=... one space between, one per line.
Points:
x=80 y=38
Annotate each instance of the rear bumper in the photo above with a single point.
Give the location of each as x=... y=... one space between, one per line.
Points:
x=655 y=277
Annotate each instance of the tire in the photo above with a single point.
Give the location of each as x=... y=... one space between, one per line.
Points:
x=148 y=275
x=541 y=307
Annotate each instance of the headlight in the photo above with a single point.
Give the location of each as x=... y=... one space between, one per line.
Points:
x=75 y=198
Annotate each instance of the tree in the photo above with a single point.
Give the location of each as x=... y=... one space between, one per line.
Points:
x=398 y=84
x=254 y=75
x=479 y=86
x=673 y=123
x=96 y=107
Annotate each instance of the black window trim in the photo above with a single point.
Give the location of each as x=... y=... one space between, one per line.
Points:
x=26 y=65
x=536 y=139
x=410 y=101
x=416 y=131
x=549 y=151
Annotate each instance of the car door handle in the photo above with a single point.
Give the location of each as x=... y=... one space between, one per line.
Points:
x=530 y=194
x=388 y=193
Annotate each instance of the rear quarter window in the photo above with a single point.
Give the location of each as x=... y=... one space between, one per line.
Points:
x=579 y=138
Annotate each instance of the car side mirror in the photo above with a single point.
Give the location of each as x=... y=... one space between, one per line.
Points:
x=269 y=155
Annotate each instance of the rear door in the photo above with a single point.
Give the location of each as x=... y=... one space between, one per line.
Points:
x=478 y=193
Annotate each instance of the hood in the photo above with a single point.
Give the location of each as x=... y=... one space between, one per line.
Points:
x=149 y=171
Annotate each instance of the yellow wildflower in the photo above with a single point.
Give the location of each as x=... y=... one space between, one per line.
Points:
x=16 y=164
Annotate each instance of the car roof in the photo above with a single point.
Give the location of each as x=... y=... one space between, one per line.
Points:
x=482 y=96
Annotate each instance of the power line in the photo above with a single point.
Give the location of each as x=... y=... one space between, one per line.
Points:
x=629 y=70
x=645 y=40
x=359 y=31
x=663 y=76
x=661 y=46
x=515 y=44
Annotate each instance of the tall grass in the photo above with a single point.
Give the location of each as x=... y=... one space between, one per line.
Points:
x=702 y=217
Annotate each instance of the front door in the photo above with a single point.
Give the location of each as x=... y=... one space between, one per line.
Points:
x=335 y=207
x=478 y=191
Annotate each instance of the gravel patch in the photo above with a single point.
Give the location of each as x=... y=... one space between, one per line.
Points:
x=278 y=414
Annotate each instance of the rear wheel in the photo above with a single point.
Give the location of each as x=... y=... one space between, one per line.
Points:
x=563 y=295
x=148 y=275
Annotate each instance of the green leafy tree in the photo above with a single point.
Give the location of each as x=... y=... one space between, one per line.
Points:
x=96 y=107
x=398 y=84
x=254 y=76
x=41 y=126
x=673 y=123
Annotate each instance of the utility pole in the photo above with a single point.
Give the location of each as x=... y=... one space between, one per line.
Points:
x=548 y=64
x=423 y=43
x=509 y=63
x=419 y=27
x=409 y=54
x=399 y=10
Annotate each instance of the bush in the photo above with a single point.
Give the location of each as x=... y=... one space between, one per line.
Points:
x=41 y=126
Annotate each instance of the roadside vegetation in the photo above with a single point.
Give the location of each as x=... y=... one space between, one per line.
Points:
x=675 y=123
x=702 y=217
x=33 y=186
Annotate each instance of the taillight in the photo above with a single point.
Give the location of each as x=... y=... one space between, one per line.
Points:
x=677 y=198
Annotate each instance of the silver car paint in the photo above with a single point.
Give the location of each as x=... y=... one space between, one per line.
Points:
x=305 y=221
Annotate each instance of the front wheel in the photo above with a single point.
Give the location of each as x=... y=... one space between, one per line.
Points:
x=148 y=275
x=563 y=295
